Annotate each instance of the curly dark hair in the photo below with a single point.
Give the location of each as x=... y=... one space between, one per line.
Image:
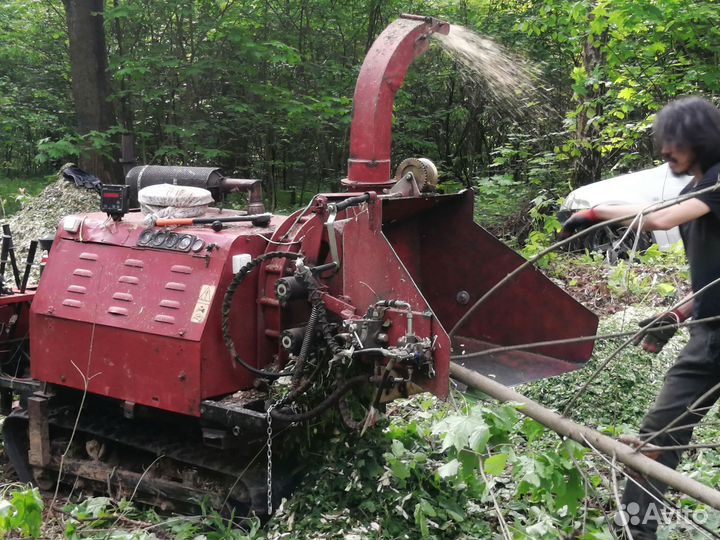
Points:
x=691 y=123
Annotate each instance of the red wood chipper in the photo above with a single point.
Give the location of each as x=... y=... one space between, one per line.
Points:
x=189 y=338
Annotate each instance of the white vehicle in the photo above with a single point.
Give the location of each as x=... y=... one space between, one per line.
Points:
x=643 y=187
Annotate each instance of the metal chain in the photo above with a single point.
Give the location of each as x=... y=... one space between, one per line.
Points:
x=269 y=459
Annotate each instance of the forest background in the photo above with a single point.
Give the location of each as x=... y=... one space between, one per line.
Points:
x=264 y=89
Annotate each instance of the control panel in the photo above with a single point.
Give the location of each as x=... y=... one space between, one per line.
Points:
x=115 y=200
x=160 y=239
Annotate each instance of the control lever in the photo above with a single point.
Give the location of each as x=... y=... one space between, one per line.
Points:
x=352 y=201
x=28 y=264
x=333 y=209
x=8 y=252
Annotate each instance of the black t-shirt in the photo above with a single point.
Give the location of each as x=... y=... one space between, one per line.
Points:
x=701 y=238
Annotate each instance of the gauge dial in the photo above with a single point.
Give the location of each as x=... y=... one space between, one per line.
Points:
x=184 y=242
x=198 y=244
x=171 y=240
x=145 y=237
x=159 y=238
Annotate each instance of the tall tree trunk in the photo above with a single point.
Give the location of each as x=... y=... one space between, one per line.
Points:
x=374 y=20
x=125 y=114
x=90 y=86
x=588 y=165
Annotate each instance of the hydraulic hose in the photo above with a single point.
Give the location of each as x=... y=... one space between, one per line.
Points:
x=328 y=402
x=316 y=299
x=227 y=301
x=319 y=315
x=305 y=347
x=302 y=387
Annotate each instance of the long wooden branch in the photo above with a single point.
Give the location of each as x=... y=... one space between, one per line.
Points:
x=566 y=427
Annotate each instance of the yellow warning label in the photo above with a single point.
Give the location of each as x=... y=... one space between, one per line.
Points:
x=202 y=306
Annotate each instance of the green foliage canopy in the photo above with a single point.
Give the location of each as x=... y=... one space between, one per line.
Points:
x=264 y=89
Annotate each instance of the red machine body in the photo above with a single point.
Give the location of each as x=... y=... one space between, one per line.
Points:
x=142 y=323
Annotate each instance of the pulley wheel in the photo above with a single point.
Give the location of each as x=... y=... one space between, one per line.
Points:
x=422 y=169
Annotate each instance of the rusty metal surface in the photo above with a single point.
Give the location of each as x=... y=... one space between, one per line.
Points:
x=176 y=438
x=160 y=492
x=235 y=415
x=147 y=464
x=186 y=468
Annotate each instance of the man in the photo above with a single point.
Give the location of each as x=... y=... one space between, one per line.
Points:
x=687 y=132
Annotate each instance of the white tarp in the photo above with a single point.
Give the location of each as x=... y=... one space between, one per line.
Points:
x=168 y=201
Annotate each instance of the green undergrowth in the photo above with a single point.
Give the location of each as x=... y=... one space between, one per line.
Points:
x=101 y=517
x=501 y=204
x=15 y=191
x=649 y=276
x=438 y=471
x=461 y=469
x=24 y=514
x=621 y=392
x=617 y=400
x=449 y=471
x=21 y=511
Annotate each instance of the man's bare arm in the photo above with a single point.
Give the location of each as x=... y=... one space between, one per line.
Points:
x=661 y=220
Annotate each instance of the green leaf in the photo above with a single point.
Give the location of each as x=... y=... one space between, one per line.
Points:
x=478 y=438
x=627 y=93
x=657 y=48
x=118 y=12
x=460 y=431
x=25 y=513
x=449 y=469
x=495 y=465
x=421 y=519
x=470 y=461
x=572 y=494
x=531 y=478
x=532 y=429
x=427 y=508
x=94 y=507
x=665 y=289
x=400 y=470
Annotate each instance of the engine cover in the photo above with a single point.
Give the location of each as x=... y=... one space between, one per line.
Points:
x=134 y=313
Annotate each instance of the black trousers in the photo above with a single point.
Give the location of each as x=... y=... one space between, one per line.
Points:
x=696 y=371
